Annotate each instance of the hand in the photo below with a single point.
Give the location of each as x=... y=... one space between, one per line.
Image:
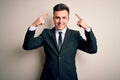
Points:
x=81 y=22
x=40 y=20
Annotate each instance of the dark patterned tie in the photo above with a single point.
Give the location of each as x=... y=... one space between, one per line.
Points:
x=60 y=40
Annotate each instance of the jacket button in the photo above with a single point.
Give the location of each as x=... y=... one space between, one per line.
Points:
x=59 y=57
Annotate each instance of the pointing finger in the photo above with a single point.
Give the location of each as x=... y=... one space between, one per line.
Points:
x=78 y=16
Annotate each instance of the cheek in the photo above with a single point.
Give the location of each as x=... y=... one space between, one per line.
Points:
x=55 y=20
x=66 y=21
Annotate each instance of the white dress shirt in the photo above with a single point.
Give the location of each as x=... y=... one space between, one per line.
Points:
x=32 y=28
x=63 y=34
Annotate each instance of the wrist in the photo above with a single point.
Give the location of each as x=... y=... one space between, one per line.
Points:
x=85 y=28
x=88 y=29
x=34 y=25
x=32 y=28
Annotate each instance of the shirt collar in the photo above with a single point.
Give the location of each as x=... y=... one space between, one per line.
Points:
x=63 y=30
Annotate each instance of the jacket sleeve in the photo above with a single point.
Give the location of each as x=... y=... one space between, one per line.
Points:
x=90 y=44
x=31 y=42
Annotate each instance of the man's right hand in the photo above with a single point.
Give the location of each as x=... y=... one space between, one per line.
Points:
x=40 y=20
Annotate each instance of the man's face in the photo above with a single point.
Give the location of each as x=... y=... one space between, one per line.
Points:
x=61 y=19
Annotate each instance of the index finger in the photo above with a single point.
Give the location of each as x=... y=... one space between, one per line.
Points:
x=78 y=16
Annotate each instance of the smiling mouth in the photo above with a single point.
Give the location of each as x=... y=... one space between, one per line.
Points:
x=60 y=24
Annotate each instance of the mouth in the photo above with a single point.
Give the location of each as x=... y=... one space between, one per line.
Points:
x=60 y=24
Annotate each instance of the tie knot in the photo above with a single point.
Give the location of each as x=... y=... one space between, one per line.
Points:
x=60 y=33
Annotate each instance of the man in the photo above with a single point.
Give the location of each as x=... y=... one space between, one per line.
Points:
x=60 y=44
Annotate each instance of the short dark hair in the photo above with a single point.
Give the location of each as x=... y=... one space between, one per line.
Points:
x=60 y=7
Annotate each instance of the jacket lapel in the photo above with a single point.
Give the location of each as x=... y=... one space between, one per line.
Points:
x=54 y=38
x=65 y=42
x=66 y=39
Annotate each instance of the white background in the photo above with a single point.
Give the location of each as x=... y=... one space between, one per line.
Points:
x=17 y=15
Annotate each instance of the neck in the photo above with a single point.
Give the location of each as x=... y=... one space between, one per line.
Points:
x=60 y=29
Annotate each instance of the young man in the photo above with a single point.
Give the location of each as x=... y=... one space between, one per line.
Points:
x=60 y=44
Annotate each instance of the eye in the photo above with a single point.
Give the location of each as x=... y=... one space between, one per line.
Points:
x=64 y=17
x=56 y=17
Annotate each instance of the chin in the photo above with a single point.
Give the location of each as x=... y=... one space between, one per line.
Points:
x=60 y=27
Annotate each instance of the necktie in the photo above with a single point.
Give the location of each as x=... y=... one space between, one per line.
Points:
x=60 y=40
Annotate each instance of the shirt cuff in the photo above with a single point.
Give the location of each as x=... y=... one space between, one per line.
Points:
x=88 y=29
x=32 y=28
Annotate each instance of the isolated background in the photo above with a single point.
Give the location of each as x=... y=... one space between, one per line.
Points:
x=17 y=15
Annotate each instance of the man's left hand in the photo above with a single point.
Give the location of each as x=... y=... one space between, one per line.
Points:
x=81 y=22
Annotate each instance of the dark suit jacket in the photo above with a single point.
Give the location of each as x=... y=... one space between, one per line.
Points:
x=60 y=64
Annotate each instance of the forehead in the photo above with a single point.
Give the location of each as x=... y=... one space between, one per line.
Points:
x=61 y=13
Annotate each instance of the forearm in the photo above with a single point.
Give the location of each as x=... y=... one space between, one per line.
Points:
x=30 y=42
x=90 y=44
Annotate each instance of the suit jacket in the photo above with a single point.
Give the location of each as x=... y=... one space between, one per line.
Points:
x=60 y=63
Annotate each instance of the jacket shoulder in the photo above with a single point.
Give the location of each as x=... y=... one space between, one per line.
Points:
x=46 y=30
x=74 y=31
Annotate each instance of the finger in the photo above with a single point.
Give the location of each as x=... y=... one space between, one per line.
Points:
x=44 y=15
x=79 y=24
x=78 y=16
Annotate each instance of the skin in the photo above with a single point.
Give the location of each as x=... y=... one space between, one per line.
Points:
x=61 y=19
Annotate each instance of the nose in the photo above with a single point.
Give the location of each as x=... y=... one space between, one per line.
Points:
x=60 y=20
